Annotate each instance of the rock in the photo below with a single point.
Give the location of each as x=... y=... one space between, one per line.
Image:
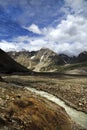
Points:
x=1 y=79
x=80 y=104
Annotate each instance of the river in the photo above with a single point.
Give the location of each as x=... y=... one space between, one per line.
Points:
x=77 y=116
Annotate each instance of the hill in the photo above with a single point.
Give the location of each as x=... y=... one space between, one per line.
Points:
x=8 y=65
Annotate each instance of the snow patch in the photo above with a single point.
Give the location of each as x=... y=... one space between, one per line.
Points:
x=32 y=57
x=41 y=58
x=65 y=62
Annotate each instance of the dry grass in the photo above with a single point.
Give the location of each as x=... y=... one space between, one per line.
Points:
x=22 y=110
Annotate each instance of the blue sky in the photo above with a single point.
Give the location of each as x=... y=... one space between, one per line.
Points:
x=33 y=24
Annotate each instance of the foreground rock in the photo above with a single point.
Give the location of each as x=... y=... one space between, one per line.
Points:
x=22 y=110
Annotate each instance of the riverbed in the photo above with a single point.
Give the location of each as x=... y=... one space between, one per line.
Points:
x=77 y=116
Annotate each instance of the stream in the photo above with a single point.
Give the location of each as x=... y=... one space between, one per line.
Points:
x=77 y=116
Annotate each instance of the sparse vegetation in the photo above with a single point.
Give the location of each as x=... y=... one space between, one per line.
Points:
x=23 y=110
x=70 y=89
x=72 y=67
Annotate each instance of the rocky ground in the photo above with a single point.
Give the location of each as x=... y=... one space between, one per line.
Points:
x=23 y=110
x=72 y=90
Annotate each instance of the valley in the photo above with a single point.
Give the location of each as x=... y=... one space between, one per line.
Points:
x=43 y=64
x=72 y=90
x=48 y=94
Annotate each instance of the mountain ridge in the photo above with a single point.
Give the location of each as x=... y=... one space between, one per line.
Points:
x=47 y=60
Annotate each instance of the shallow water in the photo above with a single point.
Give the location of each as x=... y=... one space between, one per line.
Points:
x=77 y=116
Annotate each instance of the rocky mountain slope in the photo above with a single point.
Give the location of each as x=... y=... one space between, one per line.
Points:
x=42 y=60
x=8 y=65
x=47 y=60
x=82 y=57
x=75 y=65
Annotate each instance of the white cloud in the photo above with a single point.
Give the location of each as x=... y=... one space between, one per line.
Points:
x=7 y=46
x=69 y=37
x=34 y=28
x=70 y=30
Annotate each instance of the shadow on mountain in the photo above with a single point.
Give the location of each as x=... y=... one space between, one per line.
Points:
x=8 y=65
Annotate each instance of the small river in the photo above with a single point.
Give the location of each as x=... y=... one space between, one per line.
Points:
x=77 y=116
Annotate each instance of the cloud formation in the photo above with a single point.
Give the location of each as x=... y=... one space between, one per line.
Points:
x=34 y=28
x=69 y=37
x=67 y=33
x=78 y=7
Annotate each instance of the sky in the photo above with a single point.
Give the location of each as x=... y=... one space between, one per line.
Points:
x=60 y=25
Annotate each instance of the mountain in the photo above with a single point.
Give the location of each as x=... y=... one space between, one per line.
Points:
x=47 y=60
x=42 y=60
x=8 y=65
x=82 y=57
x=75 y=64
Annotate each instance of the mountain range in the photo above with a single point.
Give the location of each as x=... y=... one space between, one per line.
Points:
x=45 y=60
